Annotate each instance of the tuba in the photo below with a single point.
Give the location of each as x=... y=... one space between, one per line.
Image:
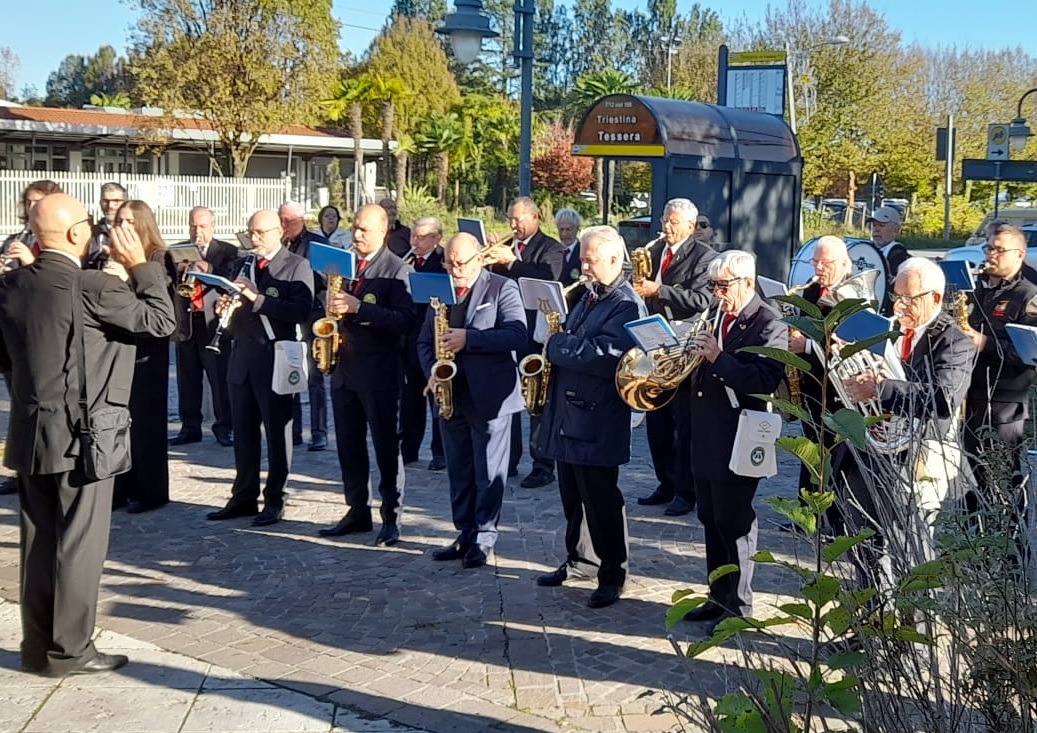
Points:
x=648 y=381
x=445 y=368
x=326 y=337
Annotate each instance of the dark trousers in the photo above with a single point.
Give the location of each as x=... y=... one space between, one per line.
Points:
x=253 y=405
x=594 y=510
x=413 y=409
x=725 y=509
x=355 y=412
x=477 y=462
x=539 y=461
x=193 y=363
x=980 y=436
x=64 y=541
x=318 y=406
x=669 y=441
x=147 y=481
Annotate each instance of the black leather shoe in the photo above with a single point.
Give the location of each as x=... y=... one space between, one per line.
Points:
x=555 y=579
x=225 y=439
x=708 y=611
x=656 y=497
x=408 y=458
x=296 y=440
x=185 y=438
x=679 y=507
x=102 y=663
x=349 y=524
x=233 y=511
x=536 y=479
x=318 y=444
x=388 y=535
x=139 y=507
x=512 y=472
x=604 y=595
x=9 y=486
x=454 y=552
x=476 y=556
x=269 y=515
x=438 y=463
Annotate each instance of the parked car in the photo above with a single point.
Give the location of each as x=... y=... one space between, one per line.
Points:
x=1019 y=217
x=974 y=253
x=637 y=232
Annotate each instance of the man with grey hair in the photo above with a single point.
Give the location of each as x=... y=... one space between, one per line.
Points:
x=113 y=195
x=568 y=223
x=586 y=425
x=678 y=292
x=885 y=224
x=297 y=239
x=723 y=386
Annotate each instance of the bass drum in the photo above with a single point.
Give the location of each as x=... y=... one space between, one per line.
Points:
x=863 y=256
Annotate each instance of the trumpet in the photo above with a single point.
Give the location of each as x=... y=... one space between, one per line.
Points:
x=232 y=306
x=490 y=250
x=185 y=287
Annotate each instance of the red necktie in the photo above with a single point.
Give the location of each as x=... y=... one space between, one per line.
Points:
x=360 y=267
x=460 y=293
x=197 y=300
x=905 y=344
x=666 y=261
x=521 y=247
x=35 y=249
x=264 y=263
x=419 y=261
x=823 y=292
x=729 y=318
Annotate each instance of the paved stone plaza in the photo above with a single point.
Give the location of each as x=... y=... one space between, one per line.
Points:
x=387 y=632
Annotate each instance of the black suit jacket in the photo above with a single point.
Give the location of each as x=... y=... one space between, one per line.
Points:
x=937 y=378
x=542 y=259
x=433 y=263
x=220 y=256
x=714 y=419
x=496 y=328
x=397 y=240
x=35 y=334
x=286 y=299
x=372 y=338
x=682 y=291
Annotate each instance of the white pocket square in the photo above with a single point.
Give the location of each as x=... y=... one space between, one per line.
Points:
x=484 y=305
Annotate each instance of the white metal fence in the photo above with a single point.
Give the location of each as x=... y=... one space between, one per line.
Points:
x=233 y=200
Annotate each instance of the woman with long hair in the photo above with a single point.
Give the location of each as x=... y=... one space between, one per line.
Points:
x=19 y=250
x=146 y=485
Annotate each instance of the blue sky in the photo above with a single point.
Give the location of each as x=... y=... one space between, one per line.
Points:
x=44 y=32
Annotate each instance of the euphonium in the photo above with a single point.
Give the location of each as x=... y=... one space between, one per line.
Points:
x=535 y=369
x=326 y=337
x=649 y=381
x=445 y=368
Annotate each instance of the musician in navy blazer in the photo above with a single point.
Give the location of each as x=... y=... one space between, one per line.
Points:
x=721 y=387
x=677 y=291
x=365 y=386
x=586 y=425
x=277 y=287
x=536 y=255
x=487 y=327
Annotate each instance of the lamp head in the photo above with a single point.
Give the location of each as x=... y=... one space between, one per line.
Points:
x=466 y=27
x=1018 y=134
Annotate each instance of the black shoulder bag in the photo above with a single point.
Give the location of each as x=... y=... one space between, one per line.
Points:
x=104 y=433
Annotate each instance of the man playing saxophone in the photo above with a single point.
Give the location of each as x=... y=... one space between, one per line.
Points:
x=586 y=425
x=677 y=290
x=487 y=324
x=721 y=387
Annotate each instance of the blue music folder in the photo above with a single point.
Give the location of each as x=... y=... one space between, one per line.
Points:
x=1024 y=339
x=653 y=332
x=220 y=283
x=427 y=285
x=475 y=227
x=332 y=260
x=959 y=275
x=864 y=325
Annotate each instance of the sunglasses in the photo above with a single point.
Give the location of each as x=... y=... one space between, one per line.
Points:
x=703 y=224
x=715 y=285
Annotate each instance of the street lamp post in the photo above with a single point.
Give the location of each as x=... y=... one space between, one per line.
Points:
x=1018 y=132
x=673 y=43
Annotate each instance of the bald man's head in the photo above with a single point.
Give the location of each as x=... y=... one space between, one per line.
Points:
x=461 y=259
x=61 y=222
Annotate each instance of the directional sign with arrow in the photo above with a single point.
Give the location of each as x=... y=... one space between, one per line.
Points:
x=997 y=142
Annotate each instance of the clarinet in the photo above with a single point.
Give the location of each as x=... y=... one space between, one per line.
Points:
x=24 y=237
x=232 y=306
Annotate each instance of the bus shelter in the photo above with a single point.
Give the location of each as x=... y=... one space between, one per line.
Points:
x=742 y=169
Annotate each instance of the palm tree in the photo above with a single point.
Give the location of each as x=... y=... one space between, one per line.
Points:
x=386 y=92
x=440 y=134
x=348 y=97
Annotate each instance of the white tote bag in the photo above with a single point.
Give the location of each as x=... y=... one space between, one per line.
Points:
x=754 y=454
x=291 y=367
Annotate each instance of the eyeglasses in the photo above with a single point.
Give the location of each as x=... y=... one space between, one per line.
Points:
x=998 y=251
x=715 y=285
x=453 y=265
x=703 y=224
x=253 y=233
x=826 y=263
x=87 y=221
x=910 y=299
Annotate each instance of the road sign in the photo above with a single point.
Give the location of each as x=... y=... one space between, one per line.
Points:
x=997 y=142
x=1019 y=171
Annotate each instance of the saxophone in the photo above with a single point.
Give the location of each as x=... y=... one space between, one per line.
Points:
x=792 y=376
x=641 y=262
x=445 y=368
x=327 y=339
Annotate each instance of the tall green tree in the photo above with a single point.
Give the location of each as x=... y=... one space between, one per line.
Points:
x=247 y=67
x=78 y=77
x=386 y=93
x=439 y=135
x=348 y=98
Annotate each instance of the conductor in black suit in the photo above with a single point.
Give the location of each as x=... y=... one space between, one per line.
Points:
x=65 y=518
x=487 y=325
x=532 y=254
x=677 y=291
x=365 y=386
x=425 y=255
x=586 y=425
x=276 y=297
x=196 y=321
x=721 y=387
